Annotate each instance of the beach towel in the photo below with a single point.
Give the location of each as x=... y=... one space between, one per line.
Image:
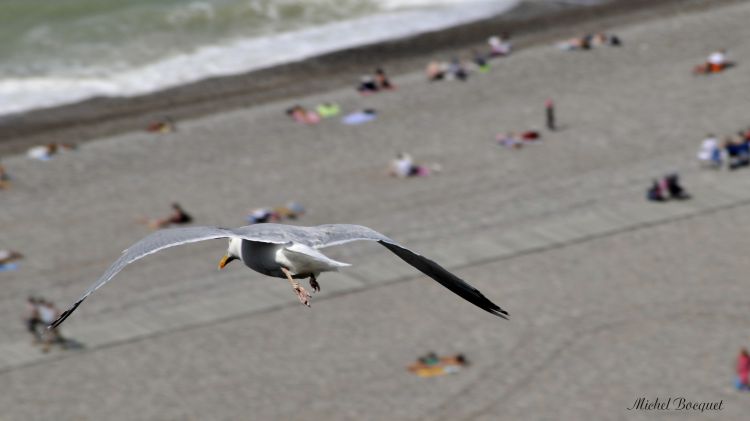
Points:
x=359 y=117
x=8 y=267
x=328 y=110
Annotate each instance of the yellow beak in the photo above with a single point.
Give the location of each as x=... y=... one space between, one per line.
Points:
x=223 y=262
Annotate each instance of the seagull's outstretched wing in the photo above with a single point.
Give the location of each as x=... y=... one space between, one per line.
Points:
x=334 y=234
x=160 y=240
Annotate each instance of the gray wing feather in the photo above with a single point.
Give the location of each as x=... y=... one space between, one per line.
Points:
x=160 y=240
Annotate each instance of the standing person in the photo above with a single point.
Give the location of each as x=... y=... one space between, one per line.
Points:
x=32 y=318
x=743 y=370
x=48 y=313
x=549 y=107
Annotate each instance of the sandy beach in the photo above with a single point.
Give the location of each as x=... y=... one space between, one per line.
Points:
x=611 y=298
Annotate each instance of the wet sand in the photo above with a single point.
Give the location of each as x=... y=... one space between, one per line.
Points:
x=611 y=298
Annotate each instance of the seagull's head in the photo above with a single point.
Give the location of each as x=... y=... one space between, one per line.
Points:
x=234 y=251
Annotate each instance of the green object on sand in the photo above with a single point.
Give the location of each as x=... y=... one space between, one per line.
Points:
x=328 y=110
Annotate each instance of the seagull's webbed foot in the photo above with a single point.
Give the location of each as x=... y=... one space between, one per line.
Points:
x=314 y=284
x=304 y=296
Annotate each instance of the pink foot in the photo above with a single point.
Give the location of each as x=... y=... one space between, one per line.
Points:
x=304 y=296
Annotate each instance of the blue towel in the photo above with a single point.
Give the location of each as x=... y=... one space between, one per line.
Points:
x=8 y=267
x=358 y=118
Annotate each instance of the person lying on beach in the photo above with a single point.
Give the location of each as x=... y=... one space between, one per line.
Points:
x=431 y=365
x=4 y=178
x=328 y=109
x=499 y=46
x=178 y=216
x=577 y=43
x=510 y=140
x=709 y=154
x=165 y=125
x=46 y=152
x=8 y=256
x=403 y=166
x=301 y=114
x=292 y=210
x=588 y=41
x=715 y=63
x=603 y=39
x=381 y=80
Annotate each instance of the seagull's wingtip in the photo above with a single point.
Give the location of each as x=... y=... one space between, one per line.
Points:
x=64 y=315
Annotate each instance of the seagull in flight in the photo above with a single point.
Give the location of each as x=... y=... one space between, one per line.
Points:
x=288 y=252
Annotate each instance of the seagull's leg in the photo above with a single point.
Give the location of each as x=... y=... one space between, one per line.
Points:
x=314 y=283
x=303 y=296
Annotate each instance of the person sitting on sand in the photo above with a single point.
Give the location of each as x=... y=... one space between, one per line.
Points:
x=499 y=46
x=381 y=80
x=177 y=217
x=403 y=166
x=48 y=313
x=300 y=114
x=367 y=85
x=709 y=154
x=715 y=63
x=675 y=190
x=657 y=192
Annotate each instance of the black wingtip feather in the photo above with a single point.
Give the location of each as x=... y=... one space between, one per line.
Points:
x=447 y=279
x=64 y=316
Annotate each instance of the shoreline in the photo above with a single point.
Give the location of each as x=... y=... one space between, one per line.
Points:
x=530 y=23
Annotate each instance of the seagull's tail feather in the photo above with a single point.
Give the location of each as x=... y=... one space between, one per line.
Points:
x=447 y=279
x=65 y=315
